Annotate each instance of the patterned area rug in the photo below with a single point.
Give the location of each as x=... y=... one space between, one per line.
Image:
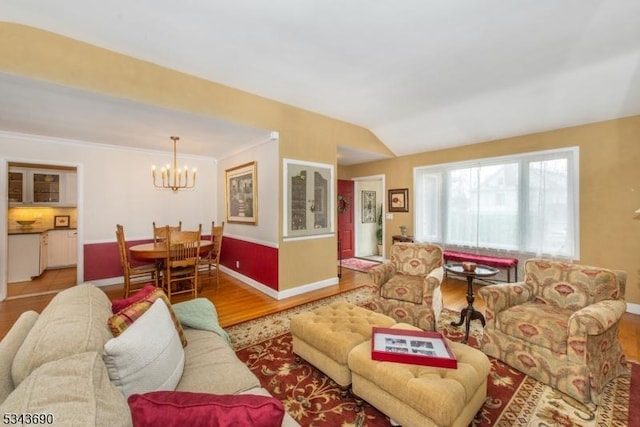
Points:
x=514 y=399
x=358 y=264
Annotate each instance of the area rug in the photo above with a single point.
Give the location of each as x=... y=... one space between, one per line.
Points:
x=514 y=399
x=358 y=264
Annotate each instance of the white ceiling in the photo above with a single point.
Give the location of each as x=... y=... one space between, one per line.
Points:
x=422 y=75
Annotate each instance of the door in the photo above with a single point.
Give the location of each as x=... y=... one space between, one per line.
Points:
x=345 y=219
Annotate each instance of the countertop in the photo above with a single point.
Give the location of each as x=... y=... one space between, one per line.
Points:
x=36 y=230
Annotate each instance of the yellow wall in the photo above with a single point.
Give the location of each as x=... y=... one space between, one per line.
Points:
x=609 y=187
x=303 y=135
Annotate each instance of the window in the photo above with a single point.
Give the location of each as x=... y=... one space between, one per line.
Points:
x=523 y=203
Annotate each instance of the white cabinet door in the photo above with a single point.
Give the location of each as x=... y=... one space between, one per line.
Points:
x=61 y=248
x=72 y=247
x=43 y=252
x=70 y=189
x=24 y=257
x=42 y=187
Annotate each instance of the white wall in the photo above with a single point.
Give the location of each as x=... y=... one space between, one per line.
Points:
x=115 y=185
x=266 y=157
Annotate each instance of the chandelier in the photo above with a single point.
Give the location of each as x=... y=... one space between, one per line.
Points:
x=172 y=177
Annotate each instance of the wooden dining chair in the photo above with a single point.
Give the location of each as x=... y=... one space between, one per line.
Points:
x=181 y=262
x=160 y=233
x=135 y=276
x=212 y=260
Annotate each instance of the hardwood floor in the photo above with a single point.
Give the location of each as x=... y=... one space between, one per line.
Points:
x=237 y=302
x=51 y=281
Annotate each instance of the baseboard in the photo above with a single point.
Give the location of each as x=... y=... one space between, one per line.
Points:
x=107 y=282
x=633 y=308
x=278 y=295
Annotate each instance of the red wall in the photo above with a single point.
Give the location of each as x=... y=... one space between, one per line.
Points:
x=102 y=260
x=258 y=262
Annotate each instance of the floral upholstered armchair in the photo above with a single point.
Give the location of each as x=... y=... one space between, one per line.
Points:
x=409 y=285
x=560 y=325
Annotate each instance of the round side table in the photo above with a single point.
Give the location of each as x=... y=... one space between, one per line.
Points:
x=470 y=313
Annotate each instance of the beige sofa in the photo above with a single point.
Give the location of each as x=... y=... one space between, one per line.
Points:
x=52 y=363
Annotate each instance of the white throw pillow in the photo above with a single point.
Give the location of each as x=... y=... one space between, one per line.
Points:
x=148 y=355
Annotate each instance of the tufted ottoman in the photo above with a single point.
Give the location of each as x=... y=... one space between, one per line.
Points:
x=325 y=336
x=416 y=395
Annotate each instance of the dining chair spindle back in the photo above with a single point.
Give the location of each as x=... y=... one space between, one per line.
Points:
x=135 y=276
x=160 y=233
x=181 y=263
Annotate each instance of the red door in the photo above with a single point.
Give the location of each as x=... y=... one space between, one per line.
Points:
x=345 y=219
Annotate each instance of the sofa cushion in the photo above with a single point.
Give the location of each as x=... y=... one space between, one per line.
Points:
x=75 y=390
x=403 y=287
x=75 y=321
x=120 y=321
x=544 y=325
x=211 y=366
x=9 y=347
x=120 y=304
x=166 y=409
x=138 y=364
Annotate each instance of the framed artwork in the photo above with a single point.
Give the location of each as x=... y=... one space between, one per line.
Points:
x=309 y=201
x=410 y=346
x=61 y=221
x=399 y=200
x=241 y=194
x=368 y=206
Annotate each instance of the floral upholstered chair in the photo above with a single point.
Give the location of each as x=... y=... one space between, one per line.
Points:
x=409 y=285
x=560 y=325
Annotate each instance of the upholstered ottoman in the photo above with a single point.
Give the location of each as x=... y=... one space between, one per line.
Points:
x=325 y=336
x=417 y=395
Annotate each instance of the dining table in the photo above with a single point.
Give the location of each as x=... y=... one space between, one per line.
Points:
x=158 y=250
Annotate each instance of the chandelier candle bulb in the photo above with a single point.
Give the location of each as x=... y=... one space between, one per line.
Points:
x=172 y=176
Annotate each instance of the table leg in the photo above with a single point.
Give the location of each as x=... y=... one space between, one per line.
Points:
x=470 y=313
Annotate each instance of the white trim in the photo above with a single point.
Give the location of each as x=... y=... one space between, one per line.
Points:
x=251 y=240
x=299 y=290
x=314 y=236
x=275 y=294
x=107 y=282
x=84 y=144
x=633 y=308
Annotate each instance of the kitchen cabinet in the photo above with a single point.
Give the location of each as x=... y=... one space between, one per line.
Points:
x=43 y=252
x=23 y=257
x=61 y=248
x=42 y=187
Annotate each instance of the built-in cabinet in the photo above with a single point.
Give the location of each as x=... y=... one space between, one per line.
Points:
x=62 y=248
x=42 y=187
x=309 y=204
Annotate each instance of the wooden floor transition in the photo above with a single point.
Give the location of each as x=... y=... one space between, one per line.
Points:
x=237 y=302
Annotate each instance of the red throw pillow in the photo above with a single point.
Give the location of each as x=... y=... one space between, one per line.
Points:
x=183 y=408
x=117 y=305
x=120 y=321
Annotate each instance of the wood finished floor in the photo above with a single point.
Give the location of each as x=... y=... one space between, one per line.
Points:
x=237 y=302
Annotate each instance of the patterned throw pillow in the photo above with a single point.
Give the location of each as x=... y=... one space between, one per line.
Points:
x=119 y=304
x=120 y=321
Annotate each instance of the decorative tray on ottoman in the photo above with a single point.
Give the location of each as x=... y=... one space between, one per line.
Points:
x=409 y=346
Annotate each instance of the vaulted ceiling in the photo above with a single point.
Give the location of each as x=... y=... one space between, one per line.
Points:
x=422 y=75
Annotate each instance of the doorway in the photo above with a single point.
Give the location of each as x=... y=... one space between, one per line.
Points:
x=369 y=217
x=41 y=228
